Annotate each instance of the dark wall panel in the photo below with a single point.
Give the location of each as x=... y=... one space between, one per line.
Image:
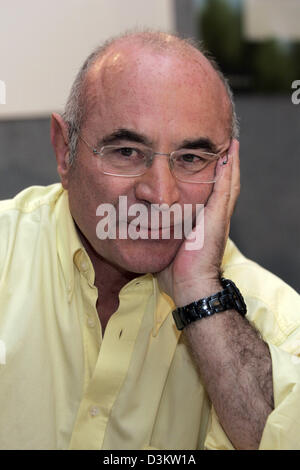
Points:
x=26 y=155
x=266 y=224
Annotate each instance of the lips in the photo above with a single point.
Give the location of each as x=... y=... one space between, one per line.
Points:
x=150 y=223
x=146 y=232
x=149 y=227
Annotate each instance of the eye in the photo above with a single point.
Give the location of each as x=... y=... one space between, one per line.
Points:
x=127 y=151
x=191 y=158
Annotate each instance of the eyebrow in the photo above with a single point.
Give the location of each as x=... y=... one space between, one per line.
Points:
x=124 y=134
x=203 y=143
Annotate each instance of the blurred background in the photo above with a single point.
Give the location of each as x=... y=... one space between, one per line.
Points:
x=256 y=43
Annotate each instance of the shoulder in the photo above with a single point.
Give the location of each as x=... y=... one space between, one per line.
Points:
x=20 y=217
x=273 y=306
x=31 y=198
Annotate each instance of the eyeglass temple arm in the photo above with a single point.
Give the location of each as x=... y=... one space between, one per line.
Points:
x=93 y=149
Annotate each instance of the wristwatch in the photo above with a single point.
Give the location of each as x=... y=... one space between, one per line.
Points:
x=229 y=298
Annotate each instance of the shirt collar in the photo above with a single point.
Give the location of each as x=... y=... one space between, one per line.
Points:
x=70 y=249
x=161 y=304
x=164 y=306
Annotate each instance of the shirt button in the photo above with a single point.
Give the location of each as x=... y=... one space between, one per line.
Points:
x=91 y=323
x=94 y=411
x=84 y=266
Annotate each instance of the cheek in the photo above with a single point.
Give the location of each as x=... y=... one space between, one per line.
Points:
x=91 y=187
x=88 y=189
x=197 y=193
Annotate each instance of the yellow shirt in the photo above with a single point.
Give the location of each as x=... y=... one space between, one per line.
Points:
x=64 y=386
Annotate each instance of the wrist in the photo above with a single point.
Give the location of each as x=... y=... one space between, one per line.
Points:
x=184 y=294
x=228 y=297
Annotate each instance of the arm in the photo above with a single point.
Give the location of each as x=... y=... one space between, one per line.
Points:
x=233 y=361
x=235 y=365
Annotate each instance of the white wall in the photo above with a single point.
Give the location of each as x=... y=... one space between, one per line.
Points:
x=264 y=19
x=44 y=42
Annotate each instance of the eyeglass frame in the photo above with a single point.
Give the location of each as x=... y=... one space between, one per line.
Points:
x=95 y=151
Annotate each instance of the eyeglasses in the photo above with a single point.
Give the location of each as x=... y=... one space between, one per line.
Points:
x=190 y=166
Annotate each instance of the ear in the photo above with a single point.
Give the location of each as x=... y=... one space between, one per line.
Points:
x=60 y=140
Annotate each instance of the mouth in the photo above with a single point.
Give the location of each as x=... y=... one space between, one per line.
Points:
x=162 y=232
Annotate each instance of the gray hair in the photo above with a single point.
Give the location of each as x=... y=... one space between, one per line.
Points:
x=75 y=109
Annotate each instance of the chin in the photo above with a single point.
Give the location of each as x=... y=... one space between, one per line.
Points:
x=145 y=256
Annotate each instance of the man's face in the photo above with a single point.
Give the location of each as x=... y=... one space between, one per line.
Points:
x=167 y=101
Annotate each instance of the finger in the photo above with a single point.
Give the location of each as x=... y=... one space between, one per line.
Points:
x=235 y=182
x=219 y=206
x=235 y=179
x=221 y=203
x=220 y=197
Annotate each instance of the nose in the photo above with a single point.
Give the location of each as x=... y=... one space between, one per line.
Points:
x=158 y=185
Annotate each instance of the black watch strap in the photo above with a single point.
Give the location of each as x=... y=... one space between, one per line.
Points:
x=229 y=298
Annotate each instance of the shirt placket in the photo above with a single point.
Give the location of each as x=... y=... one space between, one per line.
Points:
x=111 y=367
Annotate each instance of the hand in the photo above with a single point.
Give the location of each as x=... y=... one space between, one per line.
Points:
x=196 y=273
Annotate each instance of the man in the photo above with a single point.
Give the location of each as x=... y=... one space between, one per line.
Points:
x=94 y=359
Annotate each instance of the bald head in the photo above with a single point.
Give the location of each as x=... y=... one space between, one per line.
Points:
x=120 y=64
